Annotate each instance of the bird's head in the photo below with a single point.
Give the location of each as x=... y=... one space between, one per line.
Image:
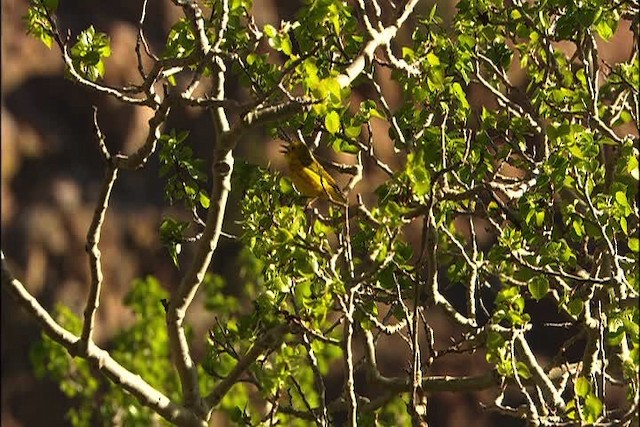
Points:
x=298 y=151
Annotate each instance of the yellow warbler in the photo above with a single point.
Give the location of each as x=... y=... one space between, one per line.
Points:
x=308 y=176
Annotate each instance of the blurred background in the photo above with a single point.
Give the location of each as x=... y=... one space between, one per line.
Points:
x=51 y=172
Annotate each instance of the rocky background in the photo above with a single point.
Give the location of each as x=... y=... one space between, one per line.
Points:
x=51 y=172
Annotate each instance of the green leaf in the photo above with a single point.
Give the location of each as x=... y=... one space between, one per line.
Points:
x=332 y=122
x=286 y=45
x=302 y=290
x=571 y=410
x=335 y=91
x=408 y=54
x=575 y=307
x=621 y=198
x=539 y=287
x=623 y=226
x=582 y=387
x=460 y=95
x=321 y=229
x=285 y=186
x=88 y=52
x=495 y=341
x=270 y=31
x=353 y=131
x=592 y=408
x=634 y=244
x=523 y=370
x=418 y=174
x=252 y=58
x=466 y=40
x=174 y=251
x=632 y=167
x=432 y=59
x=604 y=29
x=204 y=200
x=343 y=146
x=375 y=113
x=432 y=12
x=578 y=227
x=38 y=24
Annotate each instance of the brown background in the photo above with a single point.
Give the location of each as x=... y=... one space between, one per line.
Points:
x=51 y=171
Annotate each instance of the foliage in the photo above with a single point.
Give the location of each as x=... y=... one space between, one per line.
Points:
x=88 y=53
x=185 y=177
x=538 y=166
x=143 y=348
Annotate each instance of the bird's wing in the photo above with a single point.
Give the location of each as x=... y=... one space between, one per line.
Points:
x=329 y=185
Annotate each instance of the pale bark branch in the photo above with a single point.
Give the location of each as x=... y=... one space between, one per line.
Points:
x=378 y=38
x=98 y=357
x=539 y=376
x=271 y=339
x=93 y=238
x=140 y=157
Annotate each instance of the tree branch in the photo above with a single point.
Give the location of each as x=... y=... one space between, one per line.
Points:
x=93 y=238
x=378 y=38
x=98 y=357
x=271 y=339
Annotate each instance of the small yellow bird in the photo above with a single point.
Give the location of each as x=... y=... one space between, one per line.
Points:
x=308 y=176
